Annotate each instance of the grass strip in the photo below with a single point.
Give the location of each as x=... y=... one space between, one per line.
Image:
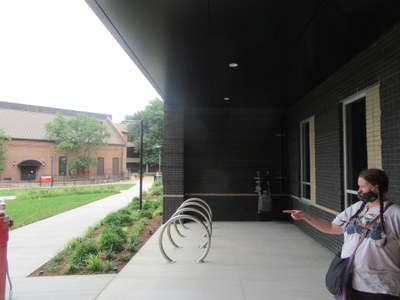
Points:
x=25 y=210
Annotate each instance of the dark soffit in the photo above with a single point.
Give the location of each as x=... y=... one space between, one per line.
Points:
x=284 y=48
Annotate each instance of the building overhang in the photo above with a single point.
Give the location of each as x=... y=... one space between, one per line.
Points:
x=30 y=163
x=243 y=53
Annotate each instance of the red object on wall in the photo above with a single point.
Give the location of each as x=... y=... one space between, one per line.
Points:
x=5 y=224
x=45 y=178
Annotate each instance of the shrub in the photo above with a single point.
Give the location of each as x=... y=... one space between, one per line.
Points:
x=158 y=212
x=90 y=231
x=72 y=268
x=119 y=218
x=152 y=204
x=135 y=215
x=93 y=263
x=109 y=254
x=60 y=255
x=147 y=205
x=64 y=252
x=112 y=239
x=138 y=228
x=83 y=251
x=54 y=267
x=108 y=266
x=145 y=214
x=73 y=244
x=157 y=188
x=134 y=239
x=124 y=258
x=134 y=205
x=133 y=244
x=156 y=203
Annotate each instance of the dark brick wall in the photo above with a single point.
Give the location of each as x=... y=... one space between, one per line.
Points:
x=332 y=242
x=232 y=208
x=244 y=208
x=379 y=63
x=224 y=148
x=173 y=162
x=390 y=97
x=214 y=152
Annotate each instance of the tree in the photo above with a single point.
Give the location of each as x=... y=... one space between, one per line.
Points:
x=153 y=128
x=3 y=137
x=79 y=136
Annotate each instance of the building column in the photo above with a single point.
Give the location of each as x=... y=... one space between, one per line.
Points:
x=173 y=159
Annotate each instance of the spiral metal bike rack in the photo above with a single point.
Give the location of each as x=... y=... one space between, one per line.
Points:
x=197 y=201
x=207 y=217
x=185 y=212
x=168 y=224
x=189 y=209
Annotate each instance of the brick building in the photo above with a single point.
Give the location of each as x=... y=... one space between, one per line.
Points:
x=31 y=155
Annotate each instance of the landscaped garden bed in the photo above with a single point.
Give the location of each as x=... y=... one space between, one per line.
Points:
x=109 y=245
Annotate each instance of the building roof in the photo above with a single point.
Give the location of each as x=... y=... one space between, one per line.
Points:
x=121 y=127
x=27 y=122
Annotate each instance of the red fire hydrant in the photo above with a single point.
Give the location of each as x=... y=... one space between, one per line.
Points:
x=5 y=224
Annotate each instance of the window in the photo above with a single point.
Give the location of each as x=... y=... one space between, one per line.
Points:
x=62 y=166
x=115 y=166
x=355 y=146
x=307 y=160
x=100 y=166
x=361 y=139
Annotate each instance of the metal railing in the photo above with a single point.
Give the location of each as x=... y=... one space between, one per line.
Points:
x=192 y=209
x=62 y=181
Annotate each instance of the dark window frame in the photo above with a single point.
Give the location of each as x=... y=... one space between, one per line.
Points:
x=100 y=166
x=62 y=166
x=305 y=160
x=354 y=145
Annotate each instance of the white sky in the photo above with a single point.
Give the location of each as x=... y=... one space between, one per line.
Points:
x=57 y=53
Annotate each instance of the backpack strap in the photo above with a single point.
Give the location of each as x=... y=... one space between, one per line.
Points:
x=390 y=203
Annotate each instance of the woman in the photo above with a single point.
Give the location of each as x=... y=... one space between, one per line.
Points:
x=376 y=267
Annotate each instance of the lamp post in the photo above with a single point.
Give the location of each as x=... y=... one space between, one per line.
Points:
x=141 y=166
x=134 y=122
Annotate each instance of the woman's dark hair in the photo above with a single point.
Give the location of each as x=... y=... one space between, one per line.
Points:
x=377 y=178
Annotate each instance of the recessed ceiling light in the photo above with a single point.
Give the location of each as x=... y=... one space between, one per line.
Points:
x=227 y=98
x=233 y=65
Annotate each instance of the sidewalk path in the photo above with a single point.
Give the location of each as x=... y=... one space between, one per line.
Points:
x=247 y=261
x=33 y=245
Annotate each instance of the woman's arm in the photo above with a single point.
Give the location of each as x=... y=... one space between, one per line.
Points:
x=317 y=222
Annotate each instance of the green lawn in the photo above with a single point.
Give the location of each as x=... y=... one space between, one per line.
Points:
x=36 y=204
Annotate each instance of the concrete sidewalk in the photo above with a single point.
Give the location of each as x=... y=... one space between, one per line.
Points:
x=247 y=261
x=33 y=245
